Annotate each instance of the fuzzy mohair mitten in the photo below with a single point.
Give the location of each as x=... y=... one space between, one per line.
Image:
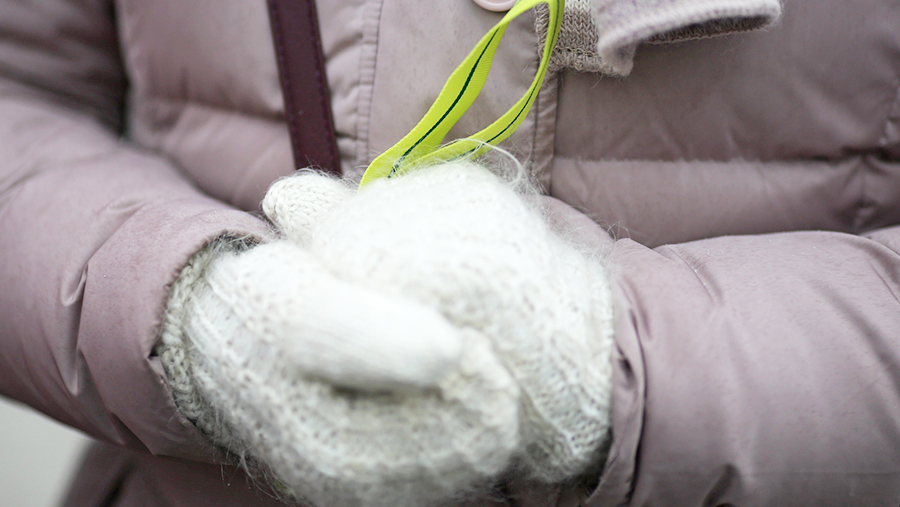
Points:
x=400 y=346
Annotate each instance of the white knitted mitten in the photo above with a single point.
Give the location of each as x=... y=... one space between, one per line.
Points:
x=401 y=346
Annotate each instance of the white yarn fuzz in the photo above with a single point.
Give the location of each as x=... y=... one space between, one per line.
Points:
x=402 y=346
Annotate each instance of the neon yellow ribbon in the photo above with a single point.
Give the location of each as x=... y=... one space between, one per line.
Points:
x=422 y=146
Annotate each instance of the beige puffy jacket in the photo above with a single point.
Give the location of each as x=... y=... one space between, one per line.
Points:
x=758 y=351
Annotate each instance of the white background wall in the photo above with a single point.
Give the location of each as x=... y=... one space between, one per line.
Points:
x=37 y=457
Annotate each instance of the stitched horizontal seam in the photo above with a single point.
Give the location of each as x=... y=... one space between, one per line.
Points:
x=830 y=161
x=278 y=118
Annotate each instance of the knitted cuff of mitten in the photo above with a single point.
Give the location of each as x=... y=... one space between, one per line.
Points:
x=570 y=390
x=176 y=351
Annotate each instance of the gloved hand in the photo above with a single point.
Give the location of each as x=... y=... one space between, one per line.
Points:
x=400 y=346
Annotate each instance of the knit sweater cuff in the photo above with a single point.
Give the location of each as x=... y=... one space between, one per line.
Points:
x=602 y=35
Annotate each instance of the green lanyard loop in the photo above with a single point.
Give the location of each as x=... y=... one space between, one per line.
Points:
x=422 y=146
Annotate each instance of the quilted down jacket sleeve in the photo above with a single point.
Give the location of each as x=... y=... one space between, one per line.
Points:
x=92 y=231
x=757 y=370
x=753 y=370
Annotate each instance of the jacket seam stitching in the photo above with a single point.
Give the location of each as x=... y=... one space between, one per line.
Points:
x=275 y=118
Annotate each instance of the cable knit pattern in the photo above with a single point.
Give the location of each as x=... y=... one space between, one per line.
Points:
x=401 y=346
x=602 y=35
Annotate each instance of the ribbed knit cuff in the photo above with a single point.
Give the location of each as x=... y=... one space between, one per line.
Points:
x=625 y=24
x=602 y=35
x=175 y=350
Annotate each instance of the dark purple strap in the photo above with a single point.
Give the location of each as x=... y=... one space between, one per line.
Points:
x=301 y=64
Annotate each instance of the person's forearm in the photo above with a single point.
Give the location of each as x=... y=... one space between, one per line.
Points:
x=91 y=233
